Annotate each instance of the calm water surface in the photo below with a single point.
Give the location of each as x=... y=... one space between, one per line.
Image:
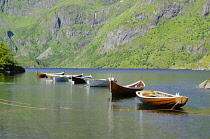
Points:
x=36 y=108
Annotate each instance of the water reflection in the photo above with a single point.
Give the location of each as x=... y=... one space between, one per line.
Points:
x=6 y=79
x=122 y=104
x=120 y=99
x=146 y=121
x=143 y=107
x=78 y=111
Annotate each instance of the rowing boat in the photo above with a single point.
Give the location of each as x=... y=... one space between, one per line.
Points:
x=99 y=82
x=127 y=90
x=69 y=76
x=54 y=74
x=161 y=99
x=44 y=75
x=41 y=75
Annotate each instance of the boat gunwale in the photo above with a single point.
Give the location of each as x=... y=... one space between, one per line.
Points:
x=84 y=77
x=98 y=79
x=155 y=97
x=129 y=85
x=134 y=87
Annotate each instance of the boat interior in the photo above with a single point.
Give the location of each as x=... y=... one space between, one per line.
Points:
x=153 y=94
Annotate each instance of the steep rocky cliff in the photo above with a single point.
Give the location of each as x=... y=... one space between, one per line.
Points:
x=107 y=33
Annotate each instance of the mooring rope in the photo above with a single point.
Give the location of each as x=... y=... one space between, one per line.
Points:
x=29 y=108
x=176 y=103
x=66 y=108
x=16 y=105
x=20 y=102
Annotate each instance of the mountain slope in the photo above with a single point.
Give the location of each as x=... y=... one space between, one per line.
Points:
x=108 y=33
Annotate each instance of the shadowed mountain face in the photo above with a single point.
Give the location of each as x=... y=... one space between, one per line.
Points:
x=107 y=33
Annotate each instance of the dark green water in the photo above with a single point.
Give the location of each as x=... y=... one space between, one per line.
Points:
x=35 y=108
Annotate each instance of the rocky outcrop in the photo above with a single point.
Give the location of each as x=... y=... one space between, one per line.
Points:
x=205 y=84
x=206 y=8
x=45 y=54
x=13 y=70
x=3 y=23
x=124 y=35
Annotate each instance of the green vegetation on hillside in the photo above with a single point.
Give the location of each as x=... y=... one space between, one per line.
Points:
x=7 y=62
x=172 y=43
x=110 y=34
x=6 y=58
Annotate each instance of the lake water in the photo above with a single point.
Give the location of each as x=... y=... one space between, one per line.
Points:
x=36 y=108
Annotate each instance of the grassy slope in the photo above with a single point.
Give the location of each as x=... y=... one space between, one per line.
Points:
x=164 y=46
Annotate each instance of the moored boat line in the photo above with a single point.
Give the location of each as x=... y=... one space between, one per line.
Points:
x=152 y=98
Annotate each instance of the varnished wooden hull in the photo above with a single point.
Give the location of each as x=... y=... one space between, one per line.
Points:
x=164 y=100
x=57 y=75
x=50 y=75
x=123 y=91
x=54 y=74
x=41 y=75
x=45 y=75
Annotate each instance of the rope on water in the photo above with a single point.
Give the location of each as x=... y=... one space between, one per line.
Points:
x=29 y=108
x=19 y=102
x=16 y=105
x=66 y=108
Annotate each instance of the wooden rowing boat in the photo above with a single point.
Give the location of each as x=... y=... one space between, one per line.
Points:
x=127 y=90
x=161 y=99
x=99 y=82
x=54 y=74
x=69 y=76
x=79 y=80
x=41 y=75
x=45 y=75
